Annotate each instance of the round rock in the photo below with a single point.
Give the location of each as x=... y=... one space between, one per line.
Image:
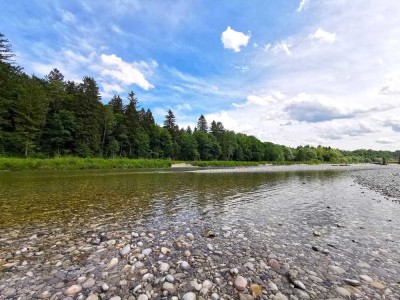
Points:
x=73 y=290
x=189 y=296
x=240 y=283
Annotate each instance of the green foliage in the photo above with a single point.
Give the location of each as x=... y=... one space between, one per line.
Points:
x=75 y=163
x=51 y=117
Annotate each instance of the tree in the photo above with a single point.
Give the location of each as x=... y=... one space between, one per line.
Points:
x=59 y=131
x=170 y=122
x=6 y=53
x=132 y=123
x=202 y=124
x=188 y=147
x=88 y=114
x=29 y=113
x=116 y=105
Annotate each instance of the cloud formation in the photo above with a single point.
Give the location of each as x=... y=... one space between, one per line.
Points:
x=234 y=39
x=310 y=108
x=322 y=35
x=123 y=72
x=302 y=5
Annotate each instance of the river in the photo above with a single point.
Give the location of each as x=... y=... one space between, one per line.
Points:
x=61 y=230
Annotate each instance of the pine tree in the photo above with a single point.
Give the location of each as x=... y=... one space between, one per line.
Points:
x=88 y=113
x=170 y=122
x=202 y=124
x=6 y=53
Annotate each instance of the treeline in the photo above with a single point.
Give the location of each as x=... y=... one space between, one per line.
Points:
x=47 y=117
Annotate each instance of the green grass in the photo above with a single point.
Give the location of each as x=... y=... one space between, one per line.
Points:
x=74 y=163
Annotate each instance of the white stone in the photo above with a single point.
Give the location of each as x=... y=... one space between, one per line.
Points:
x=73 y=290
x=189 y=296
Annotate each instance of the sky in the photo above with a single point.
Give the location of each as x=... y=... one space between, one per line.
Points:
x=292 y=72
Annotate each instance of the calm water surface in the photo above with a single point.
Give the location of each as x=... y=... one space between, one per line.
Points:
x=259 y=199
x=266 y=212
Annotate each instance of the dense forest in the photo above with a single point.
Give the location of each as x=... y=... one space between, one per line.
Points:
x=48 y=117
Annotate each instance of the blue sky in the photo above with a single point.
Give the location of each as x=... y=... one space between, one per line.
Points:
x=293 y=72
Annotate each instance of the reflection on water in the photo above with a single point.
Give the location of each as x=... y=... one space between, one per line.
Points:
x=260 y=198
x=265 y=213
x=59 y=196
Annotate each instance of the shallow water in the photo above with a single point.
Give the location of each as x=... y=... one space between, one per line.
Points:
x=277 y=211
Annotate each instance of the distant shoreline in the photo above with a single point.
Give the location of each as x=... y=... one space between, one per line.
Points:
x=72 y=163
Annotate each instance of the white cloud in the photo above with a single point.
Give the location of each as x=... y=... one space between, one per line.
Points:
x=387 y=141
x=315 y=108
x=394 y=124
x=234 y=39
x=123 y=72
x=109 y=89
x=323 y=35
x=303 y=4
x=280 y=47
x=67 y=16
x=184 y=106
x=392 y=85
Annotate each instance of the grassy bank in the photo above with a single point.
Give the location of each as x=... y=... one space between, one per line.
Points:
x=74 y=163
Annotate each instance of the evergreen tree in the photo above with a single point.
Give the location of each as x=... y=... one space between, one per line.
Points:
x=202 y=124
x=29 y=113
x=88 y=114
x=132 y=123
x=170 y=122
x=6 y=53
x=116 y=105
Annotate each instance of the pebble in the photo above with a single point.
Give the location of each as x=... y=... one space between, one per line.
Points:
x=214 y=296
x=377 y=285
x=240 y=283
x=105 y=287
x=164 y=267
x=342 y=291
x=73 y=290
x=169 y=278
x=352 y=282
x=299 y=284
x=185 y=265
x=366 y=278
x=112 y=263
x=234 y=271
x=89 y=283
x=143 y=297
x=274 y=264
x=146 y=251
x=189 y=296
x=167 y=286
x=272 y=286
x=92 y=297
x=336 y=269
x=245 y=297
x=125 y=250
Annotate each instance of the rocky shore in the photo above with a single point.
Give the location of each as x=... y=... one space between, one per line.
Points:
x=168 y=257
x=385 y=180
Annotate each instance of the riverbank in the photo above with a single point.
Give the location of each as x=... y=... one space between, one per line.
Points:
x=385 y=180
x=75 y=163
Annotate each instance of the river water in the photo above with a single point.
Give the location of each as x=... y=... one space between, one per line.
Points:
x=258 y=215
